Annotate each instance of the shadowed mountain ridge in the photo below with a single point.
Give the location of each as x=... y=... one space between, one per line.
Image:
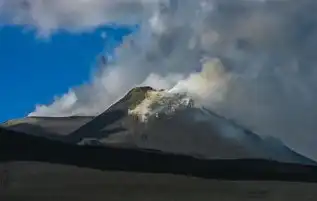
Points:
x=15 y=146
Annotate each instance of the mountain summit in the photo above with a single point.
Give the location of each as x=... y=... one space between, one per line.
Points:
x=160 y=120
x=146 y=118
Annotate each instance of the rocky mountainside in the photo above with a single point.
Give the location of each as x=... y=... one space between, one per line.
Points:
x=146 y=118
x=50 y=127
x=144 y=147
x=21 y=147
x=36 y=168
x=155 y=119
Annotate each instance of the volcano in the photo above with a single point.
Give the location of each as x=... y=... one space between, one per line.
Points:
x=146 y=118
x=155 y=140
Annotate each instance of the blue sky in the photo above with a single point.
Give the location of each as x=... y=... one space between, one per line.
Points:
x=33 y=70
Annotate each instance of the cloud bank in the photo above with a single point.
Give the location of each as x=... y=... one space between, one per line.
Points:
x=267 y=50
x=72 y=15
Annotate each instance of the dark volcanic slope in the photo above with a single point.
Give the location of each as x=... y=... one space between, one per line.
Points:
x=216 y=138
x=181 y=133
x=34 y=181
x=112 y=121
x=36 y=168
x=16 y=146
x=53 y=127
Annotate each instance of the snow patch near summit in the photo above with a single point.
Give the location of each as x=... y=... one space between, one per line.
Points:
x=196 y=87
x=157 y=103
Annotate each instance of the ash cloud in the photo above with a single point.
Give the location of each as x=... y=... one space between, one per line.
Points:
x=267 y=49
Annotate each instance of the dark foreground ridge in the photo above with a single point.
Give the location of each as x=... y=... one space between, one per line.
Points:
x=16 y=146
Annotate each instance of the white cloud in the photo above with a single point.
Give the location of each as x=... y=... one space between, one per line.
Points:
x=75 y=15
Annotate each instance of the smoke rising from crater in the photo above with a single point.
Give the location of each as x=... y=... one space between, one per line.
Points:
x=267 y=50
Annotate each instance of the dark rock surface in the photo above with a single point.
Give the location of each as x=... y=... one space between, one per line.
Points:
x=16 y=146
x=52 y=127
x=213 y=138
x=35 y=168
x=33 y=181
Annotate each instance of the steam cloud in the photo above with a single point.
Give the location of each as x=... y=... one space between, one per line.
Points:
x=267 y=50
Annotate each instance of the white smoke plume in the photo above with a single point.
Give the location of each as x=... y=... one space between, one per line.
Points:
x=267 y=49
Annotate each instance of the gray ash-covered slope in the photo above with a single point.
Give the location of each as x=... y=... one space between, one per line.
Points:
x=67 y=183
x=112 y=126
x=36 y=168
x=51 y=127
x=190 y=130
